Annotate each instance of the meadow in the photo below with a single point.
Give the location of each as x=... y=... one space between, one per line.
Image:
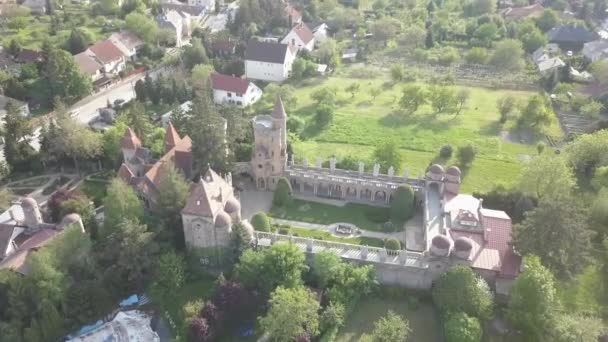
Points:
x=361 y=123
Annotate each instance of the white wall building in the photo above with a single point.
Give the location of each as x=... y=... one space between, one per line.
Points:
x=269 y=61
x=234 y=90
x=301 y=37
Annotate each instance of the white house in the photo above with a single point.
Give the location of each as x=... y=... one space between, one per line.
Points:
x=128 y=43
x=269 y=61
x=234 y=90
x=596 y=50
x=108 y=55
x=301 y=37
x=320 y=32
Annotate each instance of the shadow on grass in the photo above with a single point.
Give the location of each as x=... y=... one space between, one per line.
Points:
x=492 y=128
x=429 y=122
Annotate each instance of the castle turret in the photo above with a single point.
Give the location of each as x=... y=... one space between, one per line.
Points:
x=129 y=144
x=270 y=153
x=32 y=218
x=171 y=138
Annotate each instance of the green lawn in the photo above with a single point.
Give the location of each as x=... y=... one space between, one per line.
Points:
x=321 y=235
x=423 y=320
x=363 y=216
x=361 y=123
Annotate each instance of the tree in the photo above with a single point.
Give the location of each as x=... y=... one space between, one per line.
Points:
x=386 y=29
x=121 y=203
x=548 y=20
x=397 y=73
x=325 y=95
x=128 y=267
x=16 y=133
x=508 y=55
x=533 y=299
x=587 y=152
x=402 y=206
x=303 y=68
x=82 y=206
x=466 y=155
x=206 y=128
x=558 y=215
x=387 y=154
x=575 y=327
x=291 y=314
x=599 y=70
x=174 y=189
x=477 y=55
x=327 y=50
x=169 y=276
x=194 y=54
x=240 y=240
x=547 y=176
x=144 y=27
x=459 y=327
x=592 y=109
x=324 y=115
x=324 y=267
x=391 y=328
x=412 y=97
x=505 y=106
x=200 y=330
x=413 y=36
x=332 y=316
x=374 y=92
x=443 y=99
x=282 y=265
x=282 y=194
x=111 y=142
x=460 y=290
x=392 y=244
x=79 y=40
x=462 y=97
x=429 y=41
x=260 y=222
x=600 y=178
x=353 y=89
x=64 y=77
x=140 y=91
x=350 y=283
x=485 y=34
x=533 y=40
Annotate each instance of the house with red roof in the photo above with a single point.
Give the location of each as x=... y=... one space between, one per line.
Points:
x=234 y=90
x=301 y=37
x=108 y=55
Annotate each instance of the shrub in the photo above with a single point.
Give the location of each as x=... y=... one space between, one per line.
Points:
x=324 y=115
x=332 y=316
x=392 y=244
x=282 y=194
x=446 y=151
x=388 y=227
x=466 y=155
x=402 y=207
x=284 y=230
x=201 y=331
x=461 y=290
x=260 y=222
x=461 y=328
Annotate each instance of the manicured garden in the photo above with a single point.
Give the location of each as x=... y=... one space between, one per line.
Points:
x=363 y=216
x=361 y=122
x=321 y=235
x=422 y=317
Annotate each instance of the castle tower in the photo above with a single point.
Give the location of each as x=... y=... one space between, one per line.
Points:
x=171 y=138
x=129 y=144
x=270 y=151
x=32 y=218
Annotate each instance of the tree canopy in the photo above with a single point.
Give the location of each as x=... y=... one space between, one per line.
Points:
x=547 y=175
x=460 y=290
x=292 y=314
x=459 y=327
x=391 y=328
x=121 y=203
x=402 y=206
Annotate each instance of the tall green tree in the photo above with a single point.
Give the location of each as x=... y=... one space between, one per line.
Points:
x=391 y=328
x=174 y=189
x=387 y=154
x=194 y=54
x=557 y=231
x=139 y=121
x=460 y=290
x=79 y=40
x=169 y=276
x=508 y=55
x=459 y=327
x=64 y=77
x=412 y=97
x=547 y=175
x=16 y=133
x=535 y=115
x=325 y=267
x=292 y=313
x=533 y=300
x=144 y=27
x=282 y=194
x=587 y=152
x=121 y=203
x=402 y=206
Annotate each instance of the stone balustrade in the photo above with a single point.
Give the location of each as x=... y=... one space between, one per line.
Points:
x=346 y=250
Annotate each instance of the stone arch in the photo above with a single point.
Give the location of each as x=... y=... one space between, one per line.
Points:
x=351 y=192
x=261 y=183
x=380 y=196
x=366 y=194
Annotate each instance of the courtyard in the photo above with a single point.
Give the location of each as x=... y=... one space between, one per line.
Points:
x=361 y=122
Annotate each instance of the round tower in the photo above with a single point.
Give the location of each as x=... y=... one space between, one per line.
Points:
x=32 y=218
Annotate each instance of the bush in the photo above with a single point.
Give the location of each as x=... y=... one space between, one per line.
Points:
x=260 y=222
x=402 y=207
x=324 y=115
x=282 y=194
x=295 y=124
x=461 y=328
x=388 y=227
x=466 y=155
x=392 y=244
x=284 y=230
x=446 y=151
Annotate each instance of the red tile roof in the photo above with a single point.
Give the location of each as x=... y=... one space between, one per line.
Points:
x=229 y=83
x=171 y=136
x=87 y=64
x=125 y=173
x=106 y=51
x=303 y=32
x=208 y=195
x=130 y=140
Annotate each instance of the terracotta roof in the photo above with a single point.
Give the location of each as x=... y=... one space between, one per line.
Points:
x=18 y=260
x=125 y=173
x=303 y=32
x=267 y=52
x=229 y=83
x=105 y=51
x=208 y=195
x=278 y=111
x=87 y=64
x=171 y=136
x=130 y=140
x=535 y=10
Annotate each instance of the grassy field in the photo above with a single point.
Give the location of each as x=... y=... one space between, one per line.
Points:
x=363 y=216
x=361 y=123
x=423 y=320
x=317 y=234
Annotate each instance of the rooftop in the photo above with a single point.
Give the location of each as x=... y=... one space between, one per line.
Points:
x=266 y=52
x=106 y=51
x=229 y=83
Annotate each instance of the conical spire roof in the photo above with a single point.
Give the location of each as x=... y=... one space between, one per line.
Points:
x=171 y=136
x=278 y=112
x=130 y=140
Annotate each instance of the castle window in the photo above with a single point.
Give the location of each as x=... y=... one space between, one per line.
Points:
x=229 y=94
x=272 y=154
x=273 y=171
x=259 y=166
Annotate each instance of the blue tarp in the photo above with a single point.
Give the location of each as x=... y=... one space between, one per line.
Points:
x=132 y=300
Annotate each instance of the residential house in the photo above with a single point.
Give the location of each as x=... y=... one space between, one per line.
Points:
x=4 y=100
x=171 y=20
x=545 y=52
x=234 y=90
x=571 y=36
x=128 y=43
x=108 y=55
x=208 y=4
x=89 y=65
x=549 y=65
x=596 y=50
x=270 y=62
x=516 y=13
x=223 y=48
x=192 y=16
x=320 y=32
x=301 y=37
